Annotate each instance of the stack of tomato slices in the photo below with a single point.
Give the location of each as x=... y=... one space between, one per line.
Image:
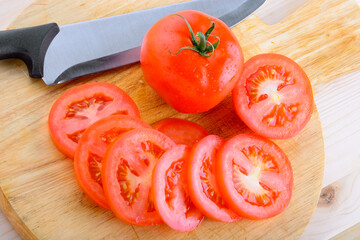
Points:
x=173 y=172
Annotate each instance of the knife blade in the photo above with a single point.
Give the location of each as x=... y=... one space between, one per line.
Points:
x=88 y=47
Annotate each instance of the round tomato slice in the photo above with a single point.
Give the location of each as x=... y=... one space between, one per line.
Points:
x=181 y=131
x=91 y=149
x=78 y=108
x=172 y=200
x=254 y=176
x=203 y=189
x=127 y=174
x=273 y=96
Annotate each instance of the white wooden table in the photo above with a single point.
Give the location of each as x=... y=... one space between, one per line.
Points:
x=338 y=212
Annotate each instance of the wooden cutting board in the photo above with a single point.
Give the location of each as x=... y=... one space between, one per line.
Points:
x=39 y=193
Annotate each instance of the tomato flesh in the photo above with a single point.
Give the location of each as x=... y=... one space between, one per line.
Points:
x=172 y=200
x=255 y=176
x=91 y=149
x=273 y=96
x=181 y=131
x=75 y=110
x=127 y=174
x=203 y=188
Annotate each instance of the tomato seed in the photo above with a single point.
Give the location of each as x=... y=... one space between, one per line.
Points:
x=211 y=193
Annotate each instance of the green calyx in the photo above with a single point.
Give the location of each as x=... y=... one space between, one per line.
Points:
x=201 y=46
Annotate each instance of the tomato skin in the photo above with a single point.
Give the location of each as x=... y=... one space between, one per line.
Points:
x=181 y=131
x=281 y=182
x=297 y=94
x=189 y=82
x=93 y=144
x=205 y=150
x=177 y=216
x=133 y=147
x=61 y=126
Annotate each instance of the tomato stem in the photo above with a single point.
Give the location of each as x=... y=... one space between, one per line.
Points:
x=202 y=46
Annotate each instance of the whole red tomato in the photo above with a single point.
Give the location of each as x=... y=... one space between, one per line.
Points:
x=192 y=60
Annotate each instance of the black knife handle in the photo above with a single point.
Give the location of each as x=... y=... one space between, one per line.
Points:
x=28 y=44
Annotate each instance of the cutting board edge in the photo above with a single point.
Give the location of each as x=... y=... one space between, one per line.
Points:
x=319 y=187
x=17 y=223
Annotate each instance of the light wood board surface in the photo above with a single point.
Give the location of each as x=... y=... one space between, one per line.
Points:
x=315 y=84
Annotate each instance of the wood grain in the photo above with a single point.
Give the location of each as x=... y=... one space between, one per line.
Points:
x=275 y=11
x=352 y=233
x=341 y=133
x=9 y=10
x=339 y=201
x=338 y=103
x=98 y=76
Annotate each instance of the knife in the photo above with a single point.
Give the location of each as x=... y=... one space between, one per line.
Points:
x=60 y=54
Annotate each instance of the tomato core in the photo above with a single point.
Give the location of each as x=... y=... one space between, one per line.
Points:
x=267 y=83
x=174 y=179
x=110 y=135
x=95 y=168
x=208 y=180
x=75 y=136
x=129 y=185
x=247 y=181
x=130 y=179
x=86 y=107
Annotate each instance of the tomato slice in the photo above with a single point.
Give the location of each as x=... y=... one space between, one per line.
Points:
x=273 y=96
x=203 y=189
x=91 y=150
x=254 y=176
x=181 y=131
x=78 y=108
x=127 y=174
x=172 y=200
